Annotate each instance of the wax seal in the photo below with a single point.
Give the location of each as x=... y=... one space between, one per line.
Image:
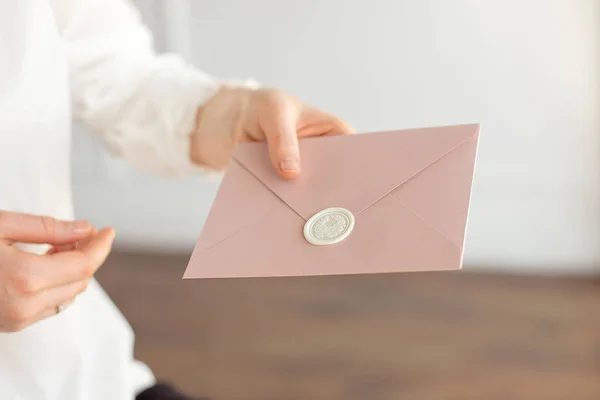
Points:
x=329 y=226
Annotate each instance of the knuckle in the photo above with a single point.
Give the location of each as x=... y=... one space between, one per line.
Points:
x=272 y=94
x=273 y=97
x=49 y=226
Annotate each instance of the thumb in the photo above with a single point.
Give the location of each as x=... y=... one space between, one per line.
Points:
x=28 y=228
x=280 y=132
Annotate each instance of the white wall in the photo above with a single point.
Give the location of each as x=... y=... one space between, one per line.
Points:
x=528 y=71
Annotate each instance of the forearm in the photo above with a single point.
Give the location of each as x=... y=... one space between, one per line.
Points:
x=149 y=115
x=144 y=105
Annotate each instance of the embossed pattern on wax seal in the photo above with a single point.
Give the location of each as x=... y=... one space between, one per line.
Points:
x=329 y=226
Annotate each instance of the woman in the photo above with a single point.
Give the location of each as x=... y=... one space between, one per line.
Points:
x=92 y=60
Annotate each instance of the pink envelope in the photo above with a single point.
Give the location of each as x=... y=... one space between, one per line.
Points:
x=393 y=201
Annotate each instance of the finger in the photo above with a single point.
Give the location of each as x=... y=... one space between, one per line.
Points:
x=280 y=132
x=28 y=228
x=45 y=313
x=64 y=296
x=319 y=123
x=61 y=248
x=71 y=246
x=45 y=271
x=85 y=241
x=93 y=250
x=46 y=303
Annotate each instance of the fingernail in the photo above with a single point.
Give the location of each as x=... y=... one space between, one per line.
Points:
x=81 y=226
x=290 y=164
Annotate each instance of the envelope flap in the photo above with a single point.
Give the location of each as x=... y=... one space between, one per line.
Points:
x=353 y=171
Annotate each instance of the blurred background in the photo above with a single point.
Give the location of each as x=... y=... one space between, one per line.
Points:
x=522 y=321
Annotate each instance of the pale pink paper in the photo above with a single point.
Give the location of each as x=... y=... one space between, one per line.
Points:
x=408 y=190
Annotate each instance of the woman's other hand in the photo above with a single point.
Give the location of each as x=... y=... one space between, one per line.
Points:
x=32 y=286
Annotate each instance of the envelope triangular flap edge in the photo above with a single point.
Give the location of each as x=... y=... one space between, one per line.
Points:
x=353 y=171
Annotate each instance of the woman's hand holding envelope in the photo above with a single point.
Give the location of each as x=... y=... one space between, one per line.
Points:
x=235 y=115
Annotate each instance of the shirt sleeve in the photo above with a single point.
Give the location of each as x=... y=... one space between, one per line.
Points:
x=141 y=103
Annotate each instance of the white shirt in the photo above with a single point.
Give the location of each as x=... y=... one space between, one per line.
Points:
x=90 y=60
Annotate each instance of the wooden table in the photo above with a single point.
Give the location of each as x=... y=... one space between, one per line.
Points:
x=425 y=336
